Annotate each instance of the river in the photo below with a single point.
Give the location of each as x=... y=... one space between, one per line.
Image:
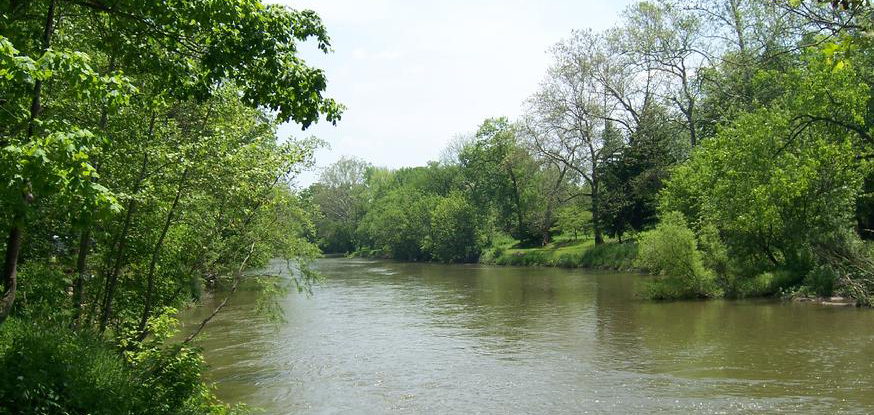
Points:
x=414 y=338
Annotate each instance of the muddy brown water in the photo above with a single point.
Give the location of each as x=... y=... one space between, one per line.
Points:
x=411 y=338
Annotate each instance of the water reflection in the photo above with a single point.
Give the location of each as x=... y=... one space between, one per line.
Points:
x=381 y=337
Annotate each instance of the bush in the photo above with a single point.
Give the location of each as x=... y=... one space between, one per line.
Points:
x=491 y=255
x=568 y=261
x=53 y=370
x=522 y=259
x=671 y=250
x=714 y=251
x=455 y=234
x=618 y=256
x=763 y=284
x=42 y=292
x=845 y=265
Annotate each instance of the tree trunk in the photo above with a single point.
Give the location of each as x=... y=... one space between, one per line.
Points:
x=10 y=269
x=596 y=214
x=81 y=270
x=547 y=223
x=85 y=238
x=517 y=200
x=112 y=278
x=36 y=104
x=596 y=220
x=13 y=244
x=737 y=25
x=156 y=253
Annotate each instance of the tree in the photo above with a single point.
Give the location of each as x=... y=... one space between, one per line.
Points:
x=340 y=196
x=574 y=220
x=456 y=230
x=43 y=158
x=398 y=224
x=635 y=175
x=140 y=164
x=781 y=178
x=588 y=108
x=669 y=46
x=170 y=54
x=498 y=176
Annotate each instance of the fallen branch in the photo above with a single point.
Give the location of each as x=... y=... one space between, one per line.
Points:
x=237 y=277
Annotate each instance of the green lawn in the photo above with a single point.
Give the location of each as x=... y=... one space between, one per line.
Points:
x=563 y=252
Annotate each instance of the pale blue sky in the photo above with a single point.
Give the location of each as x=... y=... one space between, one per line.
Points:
x=414 y=74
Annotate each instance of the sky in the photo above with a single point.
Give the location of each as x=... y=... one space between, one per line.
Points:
x=415 y=74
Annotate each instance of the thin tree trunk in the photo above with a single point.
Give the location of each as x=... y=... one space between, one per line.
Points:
x=10 y=282
x=520 y=225
x=112 y=278
x=81 y=270
x=596 y=216
x=13 y=244
x=156 y=253
x=547 y=222
x=737 y=25
x=36 y=104
x=237 y=277
x=85 y=236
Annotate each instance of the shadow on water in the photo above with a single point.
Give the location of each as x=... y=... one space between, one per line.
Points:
x=387 y=337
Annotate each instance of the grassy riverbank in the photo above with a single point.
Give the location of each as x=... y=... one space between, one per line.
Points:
x=564 y=253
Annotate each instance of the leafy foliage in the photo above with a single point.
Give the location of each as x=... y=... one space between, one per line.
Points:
x=671 y=250
x=455 y=230
x=140 y=166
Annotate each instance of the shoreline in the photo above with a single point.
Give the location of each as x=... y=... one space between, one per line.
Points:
x=609 y=256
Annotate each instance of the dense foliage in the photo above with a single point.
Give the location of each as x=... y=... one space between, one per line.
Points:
x=729 y=139
x=140 y=166
x=726 y=144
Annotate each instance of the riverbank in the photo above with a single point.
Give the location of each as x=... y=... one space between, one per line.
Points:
x=565 y=253
x=621 y=256
x=561 y=253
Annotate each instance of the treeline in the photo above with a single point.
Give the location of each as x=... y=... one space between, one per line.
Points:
x=489 y=185
x=140 y=166
x=730 y=139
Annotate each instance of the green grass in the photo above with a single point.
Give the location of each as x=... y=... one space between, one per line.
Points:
x=563 y=252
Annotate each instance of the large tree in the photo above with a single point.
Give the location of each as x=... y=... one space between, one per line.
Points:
x=76 y=129
x=573 y=119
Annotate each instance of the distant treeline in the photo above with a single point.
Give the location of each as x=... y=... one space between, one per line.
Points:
x=729 y=139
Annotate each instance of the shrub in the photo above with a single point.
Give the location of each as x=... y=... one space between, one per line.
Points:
x=671 y=250
x=763 y=284
x=568 y=261
x=42 y=293
x=53 y=370
x=713 y=249
x=455 y=234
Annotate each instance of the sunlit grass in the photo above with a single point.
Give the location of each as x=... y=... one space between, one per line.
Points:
x=564 y=252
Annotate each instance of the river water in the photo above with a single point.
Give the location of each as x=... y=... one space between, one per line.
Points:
x=408 y=338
